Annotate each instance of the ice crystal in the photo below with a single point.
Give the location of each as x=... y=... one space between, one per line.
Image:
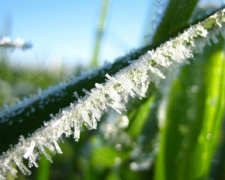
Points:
x=131 y=81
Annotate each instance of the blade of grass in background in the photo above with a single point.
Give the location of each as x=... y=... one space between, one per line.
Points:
x=100 y=32
x=214 y=78
x=138 y=117
x=176 y=16
x=217 y=170
x=193 y=118
x=44 y=169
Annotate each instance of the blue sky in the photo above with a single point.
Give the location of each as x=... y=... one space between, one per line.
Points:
x=63 y=31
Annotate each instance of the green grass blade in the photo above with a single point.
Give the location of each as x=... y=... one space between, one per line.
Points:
x=214 y=109
x=193 y=118
x=176 y=16
x=44 y=169
x=100 y=32
x=217 y=169
x=138 y=117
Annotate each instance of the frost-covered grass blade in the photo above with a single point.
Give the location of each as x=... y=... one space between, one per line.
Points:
x=131 y=81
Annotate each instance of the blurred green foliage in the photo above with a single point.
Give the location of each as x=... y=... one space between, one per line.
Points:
x=18 y=82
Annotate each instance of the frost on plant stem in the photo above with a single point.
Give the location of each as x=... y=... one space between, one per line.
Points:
x=6 y=42
x=130 y=81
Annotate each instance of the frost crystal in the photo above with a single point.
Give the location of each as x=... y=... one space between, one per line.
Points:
x=131 y=81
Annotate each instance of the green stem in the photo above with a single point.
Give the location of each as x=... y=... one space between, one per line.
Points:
x=100 y=33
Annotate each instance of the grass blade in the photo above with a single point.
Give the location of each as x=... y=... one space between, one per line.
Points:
x=193 y=118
